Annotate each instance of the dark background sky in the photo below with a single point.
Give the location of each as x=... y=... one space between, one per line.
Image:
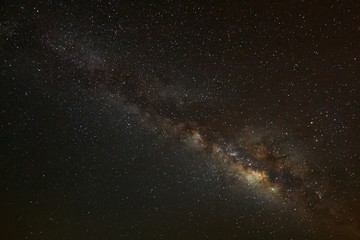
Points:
x=89 y=90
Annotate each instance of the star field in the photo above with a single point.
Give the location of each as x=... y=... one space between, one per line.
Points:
x=180 y=120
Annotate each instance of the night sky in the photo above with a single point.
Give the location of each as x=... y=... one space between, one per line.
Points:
x=180 y=120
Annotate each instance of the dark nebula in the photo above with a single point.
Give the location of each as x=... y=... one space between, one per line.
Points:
x=180 y=120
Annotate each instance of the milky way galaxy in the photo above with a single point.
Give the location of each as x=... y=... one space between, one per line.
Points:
x=180 y=120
